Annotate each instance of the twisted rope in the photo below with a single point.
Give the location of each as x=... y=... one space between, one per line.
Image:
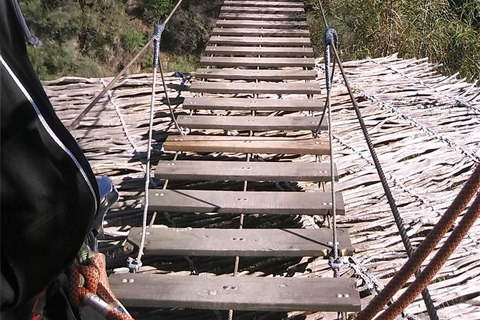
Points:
x=89 y=286
x=436 y=263
x=425 y=248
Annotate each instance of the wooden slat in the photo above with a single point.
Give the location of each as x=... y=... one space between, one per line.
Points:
x=273 y=1
x=262 y=17
x=260 y=51
x=242 y=171
x=255 y=41
x=241 y=242
x=257 y=62
x=260 y=32
x=237 y=144
x=242 y=74
x=262 y=9
x=261 y=24
x=256 y=123
x=238 y=293
x=263 y=202
x=258 y=88
x=253 y=104
x=263 y=3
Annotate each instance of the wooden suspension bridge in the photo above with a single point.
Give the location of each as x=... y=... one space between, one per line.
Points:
x=248 y=185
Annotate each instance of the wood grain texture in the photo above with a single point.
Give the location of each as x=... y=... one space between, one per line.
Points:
x=260 y=32
x=253 y=104
x=256 y=123
x=239 y=293
x=249 y=74
x=257 y=62
x=241 y=242
x=262 y=17
x=260 y=51
x=266 y=10
x=232 y=3
x=240 y=170
x=261 y=24
x=256 y=41
x=258 y=88
x=238 y=144
x=261 y=202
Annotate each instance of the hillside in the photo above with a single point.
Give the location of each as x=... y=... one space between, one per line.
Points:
x=98 y=38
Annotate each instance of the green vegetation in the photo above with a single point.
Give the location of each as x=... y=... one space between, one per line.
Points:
x=446 y=31
x=94 y=38
x=91 y=38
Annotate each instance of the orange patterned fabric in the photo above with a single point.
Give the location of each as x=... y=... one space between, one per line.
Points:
x=95 y=282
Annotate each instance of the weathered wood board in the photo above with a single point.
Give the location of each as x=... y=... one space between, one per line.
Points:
x=260 y=32
x=240 y=293
x=249 y=74
x=261 y=24
x=232 y=3
x=256 y=41
x=262 y=9
x=261 y=202
x=239 y=144
x=256 y=123
x=260 y=51
x=240 y=170
x=262 y=17
x=258 y=88
x=253 y=104
x=241 y=242
x=257 y=62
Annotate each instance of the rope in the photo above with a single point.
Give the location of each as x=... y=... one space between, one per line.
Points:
x=89 y=286
x=436 y=263
x=134 y=265
x=125 y=129
x=425 y=248
x=391 y=201
x=77 y=120
x=330 y=41
x=31 y=39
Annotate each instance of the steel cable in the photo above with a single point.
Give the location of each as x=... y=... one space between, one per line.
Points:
x=436 y=263
x=391 y=201
x=425 y=248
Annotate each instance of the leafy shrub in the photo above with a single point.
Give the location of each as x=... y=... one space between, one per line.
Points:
x=132 y=40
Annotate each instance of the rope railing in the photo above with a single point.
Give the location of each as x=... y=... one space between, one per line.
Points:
x=135 y=264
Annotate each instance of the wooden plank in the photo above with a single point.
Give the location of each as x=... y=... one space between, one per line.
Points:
x=253 y=104
x=261 y=24
x=236 y=202
x=262 y=9
x=258 y=62
x=241 y=242
x=262 y=17
x=260 y=32
x=238 y=144
x=238 y=293
x=260 y=51
x=263 y=3
x=241 y=171
x=256 y=123
x=249 y=74
x=247 y=2
x=255 y=41
x=257 y=88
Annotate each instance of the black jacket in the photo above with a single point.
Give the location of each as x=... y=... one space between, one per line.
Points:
x=49 y=194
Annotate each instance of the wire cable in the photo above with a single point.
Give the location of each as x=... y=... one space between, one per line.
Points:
x=391 y=201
